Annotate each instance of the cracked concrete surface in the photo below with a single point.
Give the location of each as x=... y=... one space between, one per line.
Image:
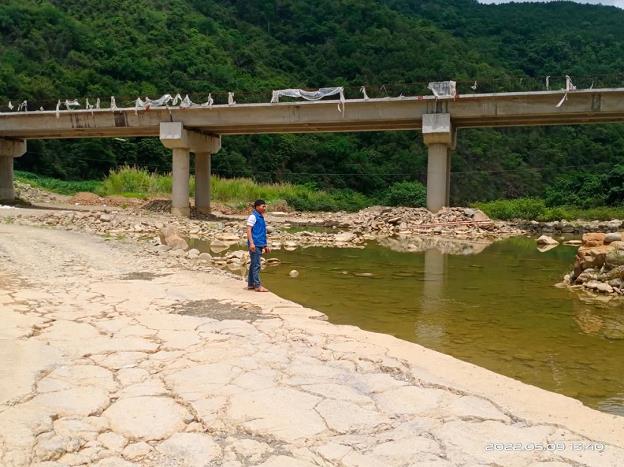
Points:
x=113 y=357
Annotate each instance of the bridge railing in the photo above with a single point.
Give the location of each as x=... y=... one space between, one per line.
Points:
x=201 y=90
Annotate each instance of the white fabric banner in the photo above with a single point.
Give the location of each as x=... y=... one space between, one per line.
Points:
x=310 y=95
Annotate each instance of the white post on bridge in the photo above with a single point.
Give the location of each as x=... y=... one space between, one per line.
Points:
x=173 y=135
x=438 y=135
x=9 y=150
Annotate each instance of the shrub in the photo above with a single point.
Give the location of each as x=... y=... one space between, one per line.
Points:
x=63 y=187
x=349 y=200
x=581 y=189
x=307 y=200
x=413 y=194
x=507 y=209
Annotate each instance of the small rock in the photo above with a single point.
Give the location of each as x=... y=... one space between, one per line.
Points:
x=546 y=240
x=573 y=242
x=169 y=236
x=599 y=286
x=192 y=253
x=344 y=237
x=228 y=237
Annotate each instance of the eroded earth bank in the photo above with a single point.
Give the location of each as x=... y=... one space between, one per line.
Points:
x=115 y=354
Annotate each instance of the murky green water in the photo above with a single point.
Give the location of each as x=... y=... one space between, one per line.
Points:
x=497 y=309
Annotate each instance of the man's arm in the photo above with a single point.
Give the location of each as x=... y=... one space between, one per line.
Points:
x=252 y=247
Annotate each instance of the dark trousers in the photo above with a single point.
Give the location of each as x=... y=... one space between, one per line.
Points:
x=254 y=267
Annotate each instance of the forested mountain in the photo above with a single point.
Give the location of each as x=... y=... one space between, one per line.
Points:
x=57 y=49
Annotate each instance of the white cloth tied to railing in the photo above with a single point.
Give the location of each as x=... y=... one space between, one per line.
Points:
x=569 y=87
x=69 y=104
x=443 y=88
x=167 y=99
x=310 y=95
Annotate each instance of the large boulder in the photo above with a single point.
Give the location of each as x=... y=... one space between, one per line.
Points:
x=590 y=257
x=480 y=216
x=169 y=236
x=618 y=245
x=612 y=237
x=593 y=239
x=614 y=258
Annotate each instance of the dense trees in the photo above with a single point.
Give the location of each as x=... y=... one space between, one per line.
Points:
x=55 y=49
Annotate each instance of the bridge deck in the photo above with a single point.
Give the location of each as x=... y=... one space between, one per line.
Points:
x=467 y=111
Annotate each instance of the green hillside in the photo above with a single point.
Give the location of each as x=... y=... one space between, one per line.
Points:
x=59 y=49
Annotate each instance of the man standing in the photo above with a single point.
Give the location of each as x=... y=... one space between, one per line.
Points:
x=257 y=242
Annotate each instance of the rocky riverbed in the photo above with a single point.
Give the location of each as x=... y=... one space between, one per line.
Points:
x=326 y=229
x=564 y=227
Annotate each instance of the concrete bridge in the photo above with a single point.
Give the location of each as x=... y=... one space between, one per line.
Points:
x=198 y=130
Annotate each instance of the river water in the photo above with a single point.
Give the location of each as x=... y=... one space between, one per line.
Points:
x=497 y=309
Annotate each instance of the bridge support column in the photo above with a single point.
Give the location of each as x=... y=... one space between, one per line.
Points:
x=173 y=135
x=202 y=182
x=203 y=162
x=180 y=183
x=439 y=137
x=9 y=149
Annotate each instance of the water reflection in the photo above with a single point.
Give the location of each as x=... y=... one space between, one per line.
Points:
x=432 y=295
x=450 y=246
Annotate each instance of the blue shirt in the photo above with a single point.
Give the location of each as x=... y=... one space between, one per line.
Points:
x=258 y=229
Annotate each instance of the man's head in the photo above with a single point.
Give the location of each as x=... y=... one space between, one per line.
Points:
x=260 y=206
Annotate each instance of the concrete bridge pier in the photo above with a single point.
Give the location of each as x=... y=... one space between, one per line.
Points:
x=180 y=164
x=439 y=137
x=203 y=162
x=182 y=142
x=9 y=150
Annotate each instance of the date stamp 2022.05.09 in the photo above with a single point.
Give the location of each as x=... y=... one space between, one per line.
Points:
x=552 y=447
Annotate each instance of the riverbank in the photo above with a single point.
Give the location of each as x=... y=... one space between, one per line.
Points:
x=114 y=335
x=116 y=216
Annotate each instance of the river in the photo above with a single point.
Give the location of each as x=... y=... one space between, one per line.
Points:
x=498 y=309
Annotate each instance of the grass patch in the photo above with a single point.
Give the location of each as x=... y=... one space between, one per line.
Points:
x=536 y=209
x=236 y=191
x=54 y=185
